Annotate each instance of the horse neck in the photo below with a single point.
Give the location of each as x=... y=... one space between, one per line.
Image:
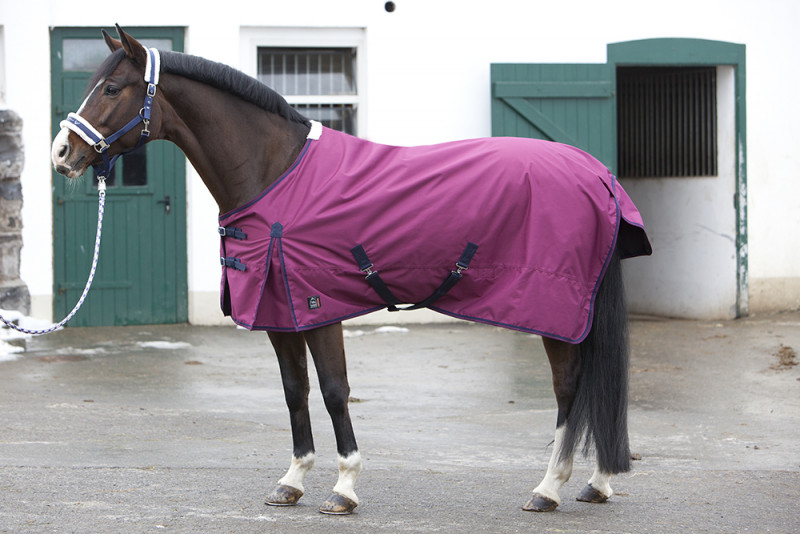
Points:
x=237 y=148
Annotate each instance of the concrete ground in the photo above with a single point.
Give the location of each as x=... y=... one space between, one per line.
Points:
x=184 y=429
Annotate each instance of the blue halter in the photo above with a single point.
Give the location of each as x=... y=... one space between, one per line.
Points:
x=101 y=144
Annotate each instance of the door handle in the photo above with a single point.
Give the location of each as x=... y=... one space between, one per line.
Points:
x=167 y=205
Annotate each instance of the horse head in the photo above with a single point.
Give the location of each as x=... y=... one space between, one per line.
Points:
x=108 y=122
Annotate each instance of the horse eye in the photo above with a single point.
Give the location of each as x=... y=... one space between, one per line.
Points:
x=111 y=90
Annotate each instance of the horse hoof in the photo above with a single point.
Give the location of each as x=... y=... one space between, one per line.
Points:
x=540 y=503
x=338 y=505
x=284 y=496
x=589 y=494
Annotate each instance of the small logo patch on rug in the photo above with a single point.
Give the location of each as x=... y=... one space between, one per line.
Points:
x=314 y=302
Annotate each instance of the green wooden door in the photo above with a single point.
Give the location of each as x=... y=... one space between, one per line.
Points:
x=570 y=103
x=141 y=276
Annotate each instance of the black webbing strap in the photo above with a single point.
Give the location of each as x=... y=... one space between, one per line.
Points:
x=374 y=279
x=231 y=231
x=236 y=263
x=360 y=255
x=461 y=265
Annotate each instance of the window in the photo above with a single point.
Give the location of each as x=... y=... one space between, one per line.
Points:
x=87 y=54
x=319 y=82
x=667 y=121
x=134 y=170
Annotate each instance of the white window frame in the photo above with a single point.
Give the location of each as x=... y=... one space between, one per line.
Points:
x=252 y=38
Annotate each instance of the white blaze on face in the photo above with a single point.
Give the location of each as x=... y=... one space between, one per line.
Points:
x=83 y=105
x=60 y=150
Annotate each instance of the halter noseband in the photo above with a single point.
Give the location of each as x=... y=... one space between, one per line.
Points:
x=89 y=133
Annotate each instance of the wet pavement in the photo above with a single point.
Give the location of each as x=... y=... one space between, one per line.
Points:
x=184 y=429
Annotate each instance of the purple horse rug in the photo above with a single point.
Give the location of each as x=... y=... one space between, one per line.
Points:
x=510 y=232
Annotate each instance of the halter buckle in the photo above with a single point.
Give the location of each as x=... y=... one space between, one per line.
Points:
x=100 y=146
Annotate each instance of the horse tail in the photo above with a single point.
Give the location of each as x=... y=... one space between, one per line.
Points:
x=599 y=413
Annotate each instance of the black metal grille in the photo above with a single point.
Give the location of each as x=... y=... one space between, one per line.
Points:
x=667 y=121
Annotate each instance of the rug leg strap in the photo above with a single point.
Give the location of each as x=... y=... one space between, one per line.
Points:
x=374 y=279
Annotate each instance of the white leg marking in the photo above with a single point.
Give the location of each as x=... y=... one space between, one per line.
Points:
x=558 y=472
x=600 y=482
x=297 y=471
x=349 y=468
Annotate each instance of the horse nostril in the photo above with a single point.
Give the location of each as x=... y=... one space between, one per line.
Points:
x=64 y=151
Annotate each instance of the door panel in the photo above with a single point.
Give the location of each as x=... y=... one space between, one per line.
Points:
x=571 y=104
x=141 y=276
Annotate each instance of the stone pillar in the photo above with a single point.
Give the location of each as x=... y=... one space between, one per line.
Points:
x=14 y=293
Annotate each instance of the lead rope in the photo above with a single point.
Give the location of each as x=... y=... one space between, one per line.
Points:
x=101 y=193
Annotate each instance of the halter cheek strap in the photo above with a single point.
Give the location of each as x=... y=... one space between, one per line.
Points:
x=101 y=144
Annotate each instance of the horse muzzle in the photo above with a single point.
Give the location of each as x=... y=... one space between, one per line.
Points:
x=71 y=163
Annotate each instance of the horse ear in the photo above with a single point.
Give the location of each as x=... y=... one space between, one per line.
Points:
x=112 y=43
x=133 y=49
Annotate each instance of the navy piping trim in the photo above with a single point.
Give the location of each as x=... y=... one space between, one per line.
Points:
x=307 y=327
x=378 y=308
x=275 y=183
x=613 y=248
x=286 y=283
x=264 y=280
x=635 y=225
x=504 y=325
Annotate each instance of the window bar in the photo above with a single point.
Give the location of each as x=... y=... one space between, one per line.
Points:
x=712 y=120
x=320 y=59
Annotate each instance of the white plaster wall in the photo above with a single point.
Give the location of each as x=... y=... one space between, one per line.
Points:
x=427 y=75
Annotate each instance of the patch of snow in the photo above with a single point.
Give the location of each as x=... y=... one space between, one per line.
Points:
x=84 y=352
x=9 y=353
x=164 y=345
x=391 y=330
x=30 y=323
x=353 y=333
x=379 y=330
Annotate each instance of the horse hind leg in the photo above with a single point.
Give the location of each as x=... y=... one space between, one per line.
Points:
x=327 y=348
x=602 y=403
x=291 y=351
x=598 y=490
x=564 y=364
x=591 y=386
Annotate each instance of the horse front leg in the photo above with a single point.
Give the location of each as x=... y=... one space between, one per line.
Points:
x=291 y=351
x=327 y=348
x=565 y=366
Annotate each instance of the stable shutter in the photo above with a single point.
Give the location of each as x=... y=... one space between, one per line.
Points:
x=571 y=103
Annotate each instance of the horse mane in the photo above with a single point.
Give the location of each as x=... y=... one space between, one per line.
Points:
x=230 y=80
x=211 y=73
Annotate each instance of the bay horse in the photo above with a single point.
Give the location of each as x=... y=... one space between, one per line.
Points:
x=251 y=150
